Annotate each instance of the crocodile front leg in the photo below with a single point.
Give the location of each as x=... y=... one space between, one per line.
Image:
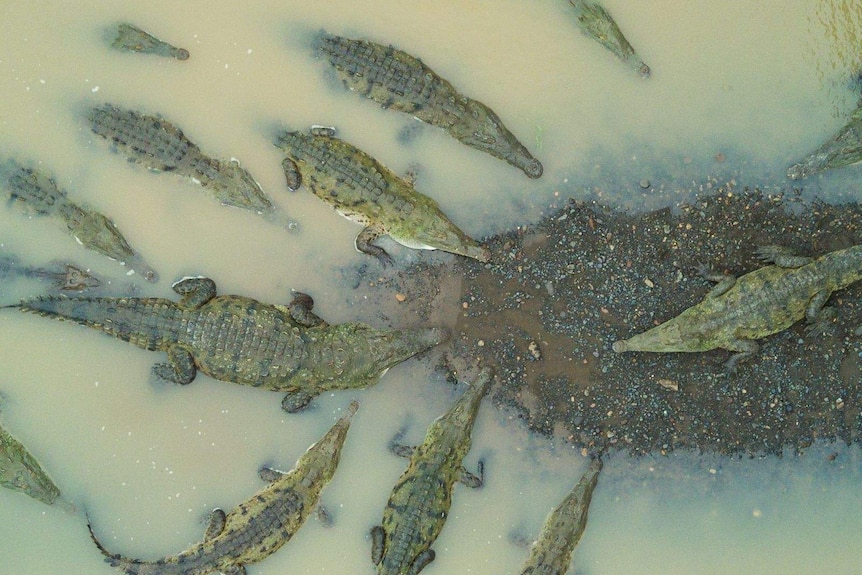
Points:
x=819 y=316
x=782 y=256
x=364 y=245
x=471 y=480
x=194 y=291
x=180 y=367
x=378 y=540
x=422 y=560
x=300 y=311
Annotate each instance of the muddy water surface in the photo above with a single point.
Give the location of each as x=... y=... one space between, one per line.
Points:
x=739 y=91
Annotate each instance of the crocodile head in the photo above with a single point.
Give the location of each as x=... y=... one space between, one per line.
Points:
x=438 y=233
x=456 y=425
x=377 y=350
x=483 y=130
x=235 y=187
x=319 y=462
x=99 y=233
x=20 y=471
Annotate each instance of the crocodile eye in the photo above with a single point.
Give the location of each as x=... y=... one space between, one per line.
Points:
x=482 y=137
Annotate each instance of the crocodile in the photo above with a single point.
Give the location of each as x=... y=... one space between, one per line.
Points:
x=551 y=554
x=736 y=312
x=843 y=149
x=241 y=340
x=258 y=527
x=398 y=81
x=160 y=146
x=65 y=277
x=20 y=471
x=595 y=22
x=35 y=193
x=419 y=503
x=363 y=190
x=130 y=37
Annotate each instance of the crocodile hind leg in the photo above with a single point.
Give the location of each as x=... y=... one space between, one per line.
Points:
x=364 y=245
x=745 y=348
x=471 y=480
x=422 y=560
x=180 y=367
x=401 y=449
x=216 y=524
x=781 y=256
x=195 y=291
x=296 y=400
x=300 y=311
x=819 y=316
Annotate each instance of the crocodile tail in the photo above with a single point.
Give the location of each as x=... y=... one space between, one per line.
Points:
x=145 y=322
x=130 y=566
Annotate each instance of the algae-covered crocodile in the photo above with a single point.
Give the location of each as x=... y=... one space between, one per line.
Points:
x=20 y=471
x=551 y=554
x=843 y=149
x=130 y=37
x=401 y=82
x=65 y=277
x=596 y=23
x=36 y=194
x=241 y=340
x=258 y=527
x=363 y=190
x=419 y=503
x=768 y=300
x=160 y=146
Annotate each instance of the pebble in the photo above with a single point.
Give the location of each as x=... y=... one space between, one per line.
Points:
x=645 y=184
x=400 y=297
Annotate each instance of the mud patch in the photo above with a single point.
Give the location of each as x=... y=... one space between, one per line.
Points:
x=556 y=295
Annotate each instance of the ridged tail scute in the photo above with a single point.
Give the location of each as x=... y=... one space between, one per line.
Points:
x=130 y=566
x=149 y=323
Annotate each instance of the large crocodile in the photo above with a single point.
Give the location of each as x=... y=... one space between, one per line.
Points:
x=596 y=23
x=20 y=471
x=130 y=37
x=363 y=190
x=551 y=554
x=36 y=194
x=843 y=149
x=64 y=277
x=160 y=146
x=399 y=81
x=763 y=302
x=258 y=527
x=419 y=503
x=241 y=340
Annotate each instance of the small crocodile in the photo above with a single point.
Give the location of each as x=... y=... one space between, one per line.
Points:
x=36 y=194
x=401 y=82
x=736 y=312
x=419 y=503
x=65 y=277
x=363 y=190
x=130 y=37
x=20 y=471
x=596 y=23
x=551 y=554
x=258 y=527
x=843 y=149
x=241 y=340
x=160 y=146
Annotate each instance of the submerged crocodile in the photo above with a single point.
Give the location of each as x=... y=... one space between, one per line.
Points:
x=596 y=23
x=241 y=340
x=843 y=149
x=130 y=37
x=36 y=194
x=20 y=471
x=363 y=190
x=763 y=302
x=258 y=527
x=399 y=81
x=419 y=503
x=162 y=147
x=64 y=277
x=551 y=554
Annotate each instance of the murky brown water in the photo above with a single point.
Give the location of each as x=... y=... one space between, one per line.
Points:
x=761 y=83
